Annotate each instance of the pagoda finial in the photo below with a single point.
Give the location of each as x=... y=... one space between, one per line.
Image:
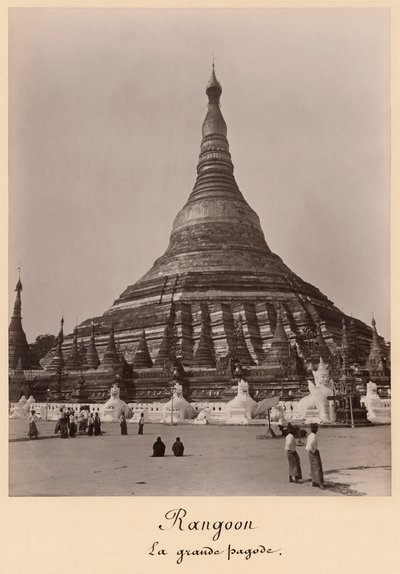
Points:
x=214 y=88
x=60 y=337
x=375 y=336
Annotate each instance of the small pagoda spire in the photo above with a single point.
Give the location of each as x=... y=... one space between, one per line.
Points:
x=92 y=358
x=345 y=339
x=110 y=358
x=56 y=364
x=280 y=337
x=73 y=362
x=164 y=352
x=376 y=359
x=240 y=346
x=142 y=359
x=345 y=347
x=321 y=348
x=375 y=337
x=82 y=353
x=60 y=336
x=204 y=356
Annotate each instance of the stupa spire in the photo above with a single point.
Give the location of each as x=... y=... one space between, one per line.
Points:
x=204 y=356
x=60 y=336
x=18 y=348
x=110 y=357
x=280 y=337
x=142 y=359
x=376 y=359
x=73 y=362
x=57 y=362
x=17 y=303
x=216 y=220
x=92 y=358
x=376 y=345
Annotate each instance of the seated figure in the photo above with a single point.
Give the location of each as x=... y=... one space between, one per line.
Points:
x=320 y=390
x=158 y=447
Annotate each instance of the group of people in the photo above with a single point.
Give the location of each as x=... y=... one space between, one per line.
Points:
x=159 y=447
x=317 y=476
x=68 y=421
x=124 y=426
x=67 y=427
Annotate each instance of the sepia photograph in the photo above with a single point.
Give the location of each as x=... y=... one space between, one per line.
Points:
x=199 y=252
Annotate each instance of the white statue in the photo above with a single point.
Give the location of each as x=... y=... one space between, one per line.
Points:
x=114 y=407
x=320 y=390
x=22 y=409
x=372 y=401
x=177 y=403
x=243 y=405
x=201 y=418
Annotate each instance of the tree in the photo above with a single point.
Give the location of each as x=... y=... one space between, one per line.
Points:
x=42 y=345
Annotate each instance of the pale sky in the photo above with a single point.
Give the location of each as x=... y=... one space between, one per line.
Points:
x=106 y=108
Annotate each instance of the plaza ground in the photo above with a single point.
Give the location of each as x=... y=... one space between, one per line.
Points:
x=218 y=461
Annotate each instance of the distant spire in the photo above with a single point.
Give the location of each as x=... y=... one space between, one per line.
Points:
x=18 y=348
x=204 y=356
x=240 y=347
x=110 y=357
x=92 y=358
x=73 y=362
x=142 y=359
x=345 y=340
x=56 y=364
x=375 y=337
x=345 y=347
x=164 y=352
x=376 y=359
x=280 y=337
x=321 y=349
x=60 y=336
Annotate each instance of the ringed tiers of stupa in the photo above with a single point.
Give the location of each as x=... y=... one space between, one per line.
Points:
x=217 y=300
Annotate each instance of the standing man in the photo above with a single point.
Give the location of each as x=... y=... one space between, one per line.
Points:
x=32 y=419
x=97 y=425
x=293 y=457
x=141 y=424
x=317 y=476
x=122 y=424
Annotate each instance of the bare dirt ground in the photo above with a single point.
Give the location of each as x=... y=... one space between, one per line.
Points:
x=218 y=461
